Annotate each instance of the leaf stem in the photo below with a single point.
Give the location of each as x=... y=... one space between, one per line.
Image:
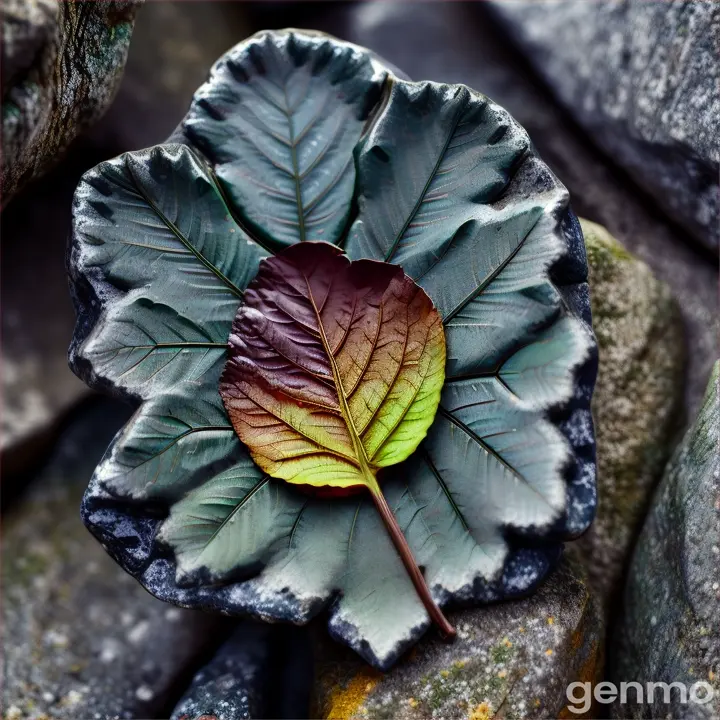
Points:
x=401 y=545
x=391 y=523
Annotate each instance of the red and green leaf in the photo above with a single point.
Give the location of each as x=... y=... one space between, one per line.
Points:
x=335 y=371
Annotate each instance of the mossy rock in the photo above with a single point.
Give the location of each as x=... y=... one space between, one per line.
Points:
x=511 y=660
x=669 y=629
x=637 y=405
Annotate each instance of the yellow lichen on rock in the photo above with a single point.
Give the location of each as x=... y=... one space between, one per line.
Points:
x=346 y=702
x=482 y=712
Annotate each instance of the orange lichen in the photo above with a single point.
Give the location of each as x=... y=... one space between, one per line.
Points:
x=345 y=702
x=482 y=712
x=589 y=673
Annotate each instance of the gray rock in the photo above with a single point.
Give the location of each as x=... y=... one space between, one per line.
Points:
x=82 y=639
x=164 y=69
x=262 y=670
x=62 y=62
x=28 y=27
x=234 y=684
x=637 y=402
x=512 y=660
x=37 y=319
x=461 y=42
x=670 y=625
x=644 y=79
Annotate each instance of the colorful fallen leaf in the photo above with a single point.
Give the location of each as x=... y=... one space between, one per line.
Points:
x=335 y=372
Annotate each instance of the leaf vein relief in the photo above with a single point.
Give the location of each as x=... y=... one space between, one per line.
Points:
x=433 y=173
x=442 y=486
x=182 y=436
x=180 y=236
x=238 y=506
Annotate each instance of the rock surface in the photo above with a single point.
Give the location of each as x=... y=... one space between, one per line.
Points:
x=28 y=27
x=243 y=678
x=637 y=402
x=62 y=62
x=670 y=627
x=234 y=684
x=37 y=321
x=164 y=69
x=644 y=79
x=512 y=660
x=462 y=42
x=82 y=639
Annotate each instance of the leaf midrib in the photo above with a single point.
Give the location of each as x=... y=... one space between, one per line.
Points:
x=489 y=278
x=165 y=346
x=443 y=486
x=179 y=235
x=296 y=168
x=251 y=493
x=362 y=458
x=365 y=462
x=231 y=212
x=421 y=198
x=490 y=451
x=182 y=436
x=293 y=142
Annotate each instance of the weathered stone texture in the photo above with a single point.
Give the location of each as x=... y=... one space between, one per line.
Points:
x=637 y=405
x=511 y=660
x=62 y=62
x=644 y=79
x=669 y=630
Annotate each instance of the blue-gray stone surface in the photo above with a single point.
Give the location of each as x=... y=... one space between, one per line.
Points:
x=113 y=511
x=235 y=683
x=644 y=79
x=669 y=630
x=261 y=670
